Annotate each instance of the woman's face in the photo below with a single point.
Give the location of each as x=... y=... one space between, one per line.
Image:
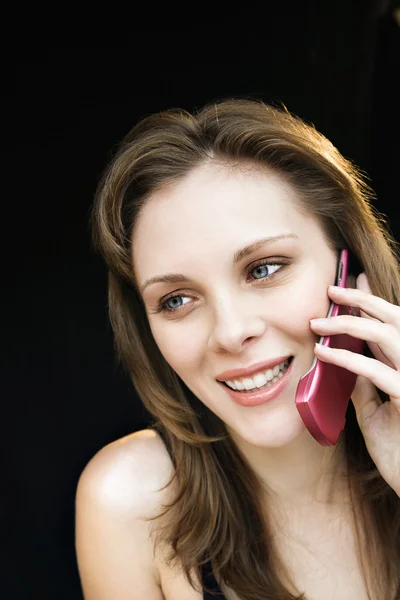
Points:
x=222 y=313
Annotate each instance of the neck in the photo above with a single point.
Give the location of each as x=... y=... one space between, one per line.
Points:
x=299 y=474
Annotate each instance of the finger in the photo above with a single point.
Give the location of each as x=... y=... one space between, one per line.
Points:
x=362 y=283
x=371 y=305
x=379 y=355
x=382 y=376
x=385 y=337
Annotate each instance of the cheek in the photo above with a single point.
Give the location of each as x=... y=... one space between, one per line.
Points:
x=178 y=348
x=298 y=308
x=314 y=308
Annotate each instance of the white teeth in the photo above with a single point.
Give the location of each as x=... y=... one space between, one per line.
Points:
x=265 y=379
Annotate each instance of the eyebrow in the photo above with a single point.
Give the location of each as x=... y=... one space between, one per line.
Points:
x=237 y=257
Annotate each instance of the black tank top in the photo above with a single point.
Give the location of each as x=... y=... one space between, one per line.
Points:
x=207 y=576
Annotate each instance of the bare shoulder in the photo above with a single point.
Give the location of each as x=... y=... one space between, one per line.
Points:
x=127 y=469
x=118 y=489
x=126 y=475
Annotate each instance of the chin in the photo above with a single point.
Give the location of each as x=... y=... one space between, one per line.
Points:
x=267 y=434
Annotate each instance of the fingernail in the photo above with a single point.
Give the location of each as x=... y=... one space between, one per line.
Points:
x=318 y=321
x=336 y=288
x=322 y=347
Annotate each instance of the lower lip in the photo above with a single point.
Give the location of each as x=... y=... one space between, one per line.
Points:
x=262 y=396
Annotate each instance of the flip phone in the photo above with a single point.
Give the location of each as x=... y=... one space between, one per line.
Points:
x=323 y=393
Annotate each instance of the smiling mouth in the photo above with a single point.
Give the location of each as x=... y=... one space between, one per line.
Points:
x=265 y=386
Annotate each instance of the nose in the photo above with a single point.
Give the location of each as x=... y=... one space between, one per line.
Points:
x=235 y=323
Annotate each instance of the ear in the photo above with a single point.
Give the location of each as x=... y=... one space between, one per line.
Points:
x=363 y=284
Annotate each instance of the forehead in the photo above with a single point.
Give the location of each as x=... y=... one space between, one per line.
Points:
x=215 y=207
x=210 y=189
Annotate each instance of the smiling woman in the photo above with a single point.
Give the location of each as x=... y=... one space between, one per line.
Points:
x=221 y=231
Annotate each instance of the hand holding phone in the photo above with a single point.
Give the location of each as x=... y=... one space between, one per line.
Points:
x=323 y=393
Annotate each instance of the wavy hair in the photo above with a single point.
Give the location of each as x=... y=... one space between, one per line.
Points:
x=216 y=514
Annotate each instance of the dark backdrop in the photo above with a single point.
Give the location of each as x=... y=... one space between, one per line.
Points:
x=63 y=398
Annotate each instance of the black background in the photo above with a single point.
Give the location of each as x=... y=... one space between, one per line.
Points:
x=333 y=64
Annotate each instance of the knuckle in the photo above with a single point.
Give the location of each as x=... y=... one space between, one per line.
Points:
x=392 y=331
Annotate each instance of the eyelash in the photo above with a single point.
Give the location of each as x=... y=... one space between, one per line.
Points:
x=261 y=263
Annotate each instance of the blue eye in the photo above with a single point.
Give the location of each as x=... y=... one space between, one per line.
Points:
x=173 y=298
x=261 y=267
x=265 y=274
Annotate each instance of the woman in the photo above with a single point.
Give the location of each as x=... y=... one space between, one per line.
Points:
x=221 y=232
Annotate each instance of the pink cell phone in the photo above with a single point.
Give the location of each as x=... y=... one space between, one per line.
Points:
x=323 y=393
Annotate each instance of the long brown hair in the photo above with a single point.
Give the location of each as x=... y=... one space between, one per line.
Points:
x=216 y=514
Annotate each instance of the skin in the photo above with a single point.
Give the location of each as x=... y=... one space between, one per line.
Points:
x=232 y=316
